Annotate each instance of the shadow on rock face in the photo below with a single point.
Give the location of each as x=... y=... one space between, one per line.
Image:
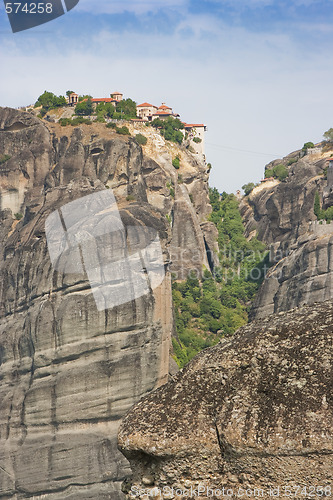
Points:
x=255 y=411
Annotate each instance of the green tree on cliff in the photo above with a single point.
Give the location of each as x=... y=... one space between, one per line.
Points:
x=317 y=209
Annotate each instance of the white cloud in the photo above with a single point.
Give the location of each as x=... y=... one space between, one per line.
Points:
x=256 y=92
x=136 y=6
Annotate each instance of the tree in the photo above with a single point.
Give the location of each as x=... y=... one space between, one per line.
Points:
x=280 y=172
x=247 y=188
x=48 y=101
x=316 y=207
x=170 y=129
x=328 y=135
x=308 y=145
x=69 y=92
x=126 y=108
x=84 y=108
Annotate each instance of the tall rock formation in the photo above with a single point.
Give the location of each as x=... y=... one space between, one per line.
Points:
x=246 y=418
x=68 y=372
x=282 y=213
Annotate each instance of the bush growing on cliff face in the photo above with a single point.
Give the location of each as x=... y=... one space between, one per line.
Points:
x=141 y=139
x=308 y=145
x=328 y=135
x=197 y=140
x=48 y=101
x=247 y=188
x=123 y=130
x=280 y=172
x=176 y=162
x=4 y=158
x=319 y=212
x=170 y=129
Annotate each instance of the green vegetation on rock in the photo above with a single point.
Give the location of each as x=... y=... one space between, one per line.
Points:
x=141 y=139
x=308 y=145
x=170 y=129
x=328 y=135
x=176 y=162
x=74 y=122
x=216 y=305
x=84 y=108
x=49 y=101
x=4 y=158
x=247 y=188
x=279 y=172
x=320 y=213
x=123 y=130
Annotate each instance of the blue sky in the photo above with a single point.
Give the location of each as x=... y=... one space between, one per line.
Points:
x=258 y=73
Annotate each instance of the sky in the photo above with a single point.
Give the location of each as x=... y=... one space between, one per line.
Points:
x=258 y=73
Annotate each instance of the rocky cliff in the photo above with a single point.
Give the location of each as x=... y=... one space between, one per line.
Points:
x=68 y=372
x=281 y=213
x=246 y=418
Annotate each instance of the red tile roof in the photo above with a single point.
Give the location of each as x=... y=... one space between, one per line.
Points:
x=103 y=99
x=162 y=113
x=164 y=107
x=146 y=105
x=191 y=125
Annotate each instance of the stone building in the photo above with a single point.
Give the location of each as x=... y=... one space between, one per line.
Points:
x=118 y=96
x=72 y=99
x=145 y=110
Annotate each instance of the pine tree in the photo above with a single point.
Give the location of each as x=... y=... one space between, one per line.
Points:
x=317 y=208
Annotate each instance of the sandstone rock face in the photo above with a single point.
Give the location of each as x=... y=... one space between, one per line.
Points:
x=255 y=411
x=304 y=276
x=68 y=372
x=281 y=213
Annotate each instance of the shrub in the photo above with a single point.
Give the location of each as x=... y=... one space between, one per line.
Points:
x=180 y=179
x=292 y=161
x=328 y=135
x=308 y=145
x=18 y=216
x=141 y=139
x=64 y=122
x=130 y=197
x=247 y=188
x=280 y=172
x=176 y=162
x=48 y=101
x=123 y=130
x=172 y=192
x=100 y=119
x=111 y=125
x=197 y=139
x=4 y=158
x=170 y=129
x=268 y=172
